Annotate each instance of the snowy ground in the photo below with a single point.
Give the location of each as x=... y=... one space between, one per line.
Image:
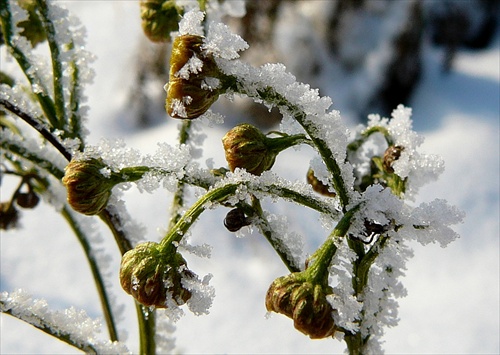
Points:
x=453 y=293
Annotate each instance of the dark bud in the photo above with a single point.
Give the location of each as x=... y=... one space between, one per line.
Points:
x=9 y=216
x=235 y=220
x=317 y=185
x=392 y=153
x=27 y=199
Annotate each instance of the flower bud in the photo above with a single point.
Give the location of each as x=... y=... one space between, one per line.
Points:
x=149 y=275
x=391 y=154
x=246 y=147
x=9 y=216
x=189 y=94
x=159 y=18
x=317 y=185
x=27 y=199
x=88 y=190
x=235 y=220
x=305 y=302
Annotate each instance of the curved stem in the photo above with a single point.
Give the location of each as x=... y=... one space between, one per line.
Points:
x=318 y=268
x=213 y=196
x=37 y=126
x=280 y=248
x=101 y=289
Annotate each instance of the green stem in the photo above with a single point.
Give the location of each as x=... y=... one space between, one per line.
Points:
x=57 y=68
x=177 y=232
x=44 y=100
x=147 y=329
x=277 y=244
x=101 y=289
x=52 y=329
x=37 y=126
x=318 y=268
x=178 y=199
x=361 y=267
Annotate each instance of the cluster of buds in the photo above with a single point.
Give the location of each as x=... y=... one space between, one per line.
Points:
x=9 y=214
x=303 y=300
x=159 y=18
x=191 y=89
x=246 y=147
x=150 y=275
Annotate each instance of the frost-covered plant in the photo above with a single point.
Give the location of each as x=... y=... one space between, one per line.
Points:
x=362 y=183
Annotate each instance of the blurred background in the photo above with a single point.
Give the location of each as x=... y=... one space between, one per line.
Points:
x=439 y=57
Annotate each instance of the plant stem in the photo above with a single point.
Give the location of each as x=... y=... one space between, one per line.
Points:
x=147 y=329
x=101 y=289
x=22 y=59
x=278 y=245
x=38 y=126
x=318 y=268
x=57 y=68
x=176 y=233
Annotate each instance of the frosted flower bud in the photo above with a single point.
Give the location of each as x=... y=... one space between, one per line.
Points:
x=88 y=190
x=235 y=220
x=9 y=216
x=391 y=154
x=305 y=302
x=188 y=93
x=246 y=147
x=317 y=185
x=149 y=275
x=159 y=18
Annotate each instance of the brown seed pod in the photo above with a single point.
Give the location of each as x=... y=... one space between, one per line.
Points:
x=235 y=220
x=317 y=185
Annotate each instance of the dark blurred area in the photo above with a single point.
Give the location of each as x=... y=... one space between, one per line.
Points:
x=365 y=54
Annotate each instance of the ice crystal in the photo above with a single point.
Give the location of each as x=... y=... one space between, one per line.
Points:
x=73 y=323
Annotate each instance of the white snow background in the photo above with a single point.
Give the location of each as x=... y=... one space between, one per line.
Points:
x=453 y=293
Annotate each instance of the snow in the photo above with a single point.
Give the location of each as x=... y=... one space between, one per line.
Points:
x=452 y=302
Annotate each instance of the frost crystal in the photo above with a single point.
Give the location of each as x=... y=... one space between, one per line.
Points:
x=71 y=323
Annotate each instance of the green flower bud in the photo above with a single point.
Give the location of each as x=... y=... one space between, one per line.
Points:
x=317 y=185
x=88 y=189
x=149 y=275
x=247 y=147
x=305 y=302
x=391 y=154
x=159 y=18
x=188 y=94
